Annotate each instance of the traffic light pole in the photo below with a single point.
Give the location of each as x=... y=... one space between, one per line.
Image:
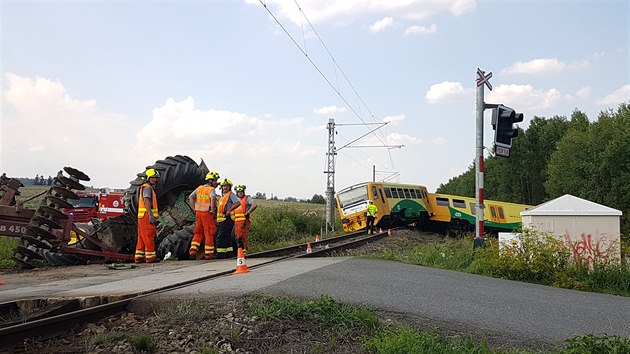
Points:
x=482 y=78
x=480 y=169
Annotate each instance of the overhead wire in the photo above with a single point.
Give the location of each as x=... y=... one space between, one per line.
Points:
x=336 y=67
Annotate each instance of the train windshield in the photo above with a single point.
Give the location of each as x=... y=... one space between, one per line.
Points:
x=351 y=197
x=84 y=202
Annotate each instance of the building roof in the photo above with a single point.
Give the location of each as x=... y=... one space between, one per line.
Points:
x=571 y=205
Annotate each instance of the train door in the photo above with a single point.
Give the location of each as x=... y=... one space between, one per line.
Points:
x=497 y=213
x=377 y=197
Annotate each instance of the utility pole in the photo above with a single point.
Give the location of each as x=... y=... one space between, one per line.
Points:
x=330 y=155
x=330 y=183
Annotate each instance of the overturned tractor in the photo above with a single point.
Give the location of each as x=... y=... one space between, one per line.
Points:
x=47 y=234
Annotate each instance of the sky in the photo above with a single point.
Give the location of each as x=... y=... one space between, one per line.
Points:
x=110 y=87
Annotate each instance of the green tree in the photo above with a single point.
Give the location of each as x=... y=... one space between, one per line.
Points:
x=318 y=199
x=593 y=162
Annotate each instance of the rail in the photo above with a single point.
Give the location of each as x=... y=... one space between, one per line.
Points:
x=59 y=317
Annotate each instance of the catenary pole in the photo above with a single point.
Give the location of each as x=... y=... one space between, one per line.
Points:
x=330 y=184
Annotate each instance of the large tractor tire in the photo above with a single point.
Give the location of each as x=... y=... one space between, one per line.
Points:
x=177 y=243
x=177 y=174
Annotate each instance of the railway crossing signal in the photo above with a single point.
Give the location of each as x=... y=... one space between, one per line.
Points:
x=503 y=119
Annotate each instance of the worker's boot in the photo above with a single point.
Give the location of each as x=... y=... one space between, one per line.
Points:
x=209 y=257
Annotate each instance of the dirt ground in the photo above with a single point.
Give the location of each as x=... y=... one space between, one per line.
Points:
x=227 y=326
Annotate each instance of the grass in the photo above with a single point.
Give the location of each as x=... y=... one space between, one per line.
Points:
x=143 y=343
x=7 y=245
x=324 y=310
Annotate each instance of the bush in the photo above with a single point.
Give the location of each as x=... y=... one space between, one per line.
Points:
x=539 y=259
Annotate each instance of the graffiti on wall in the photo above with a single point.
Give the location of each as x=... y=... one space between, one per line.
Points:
x=586 y=251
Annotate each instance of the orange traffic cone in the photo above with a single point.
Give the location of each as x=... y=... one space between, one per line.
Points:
x=308 y=248
x=241 y=267
x=389 y=232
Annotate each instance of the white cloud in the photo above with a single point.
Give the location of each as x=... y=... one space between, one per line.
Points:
x=401 y=139
x=48 y=129
x=524 y=97
x=394 y=120
x=45 y=128
x=536 y=66
x=181 y=123
x=543 y=66
x=583 y=92
x=40 y=95
x=348 y=11
x=420 y=30
x=447 y=91
x=381 y=24
x=616 y=97
x=329 y=110
x=598 y=55
x=461 y=7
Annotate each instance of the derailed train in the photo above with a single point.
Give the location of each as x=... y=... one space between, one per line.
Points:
x=404 y=204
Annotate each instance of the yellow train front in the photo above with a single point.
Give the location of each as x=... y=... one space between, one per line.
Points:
x=404 y=204
x=398 y=204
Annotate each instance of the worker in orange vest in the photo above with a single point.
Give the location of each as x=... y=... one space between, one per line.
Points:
x=241 y=216
x=225 y=224
x=147 y=221
x=203 y=201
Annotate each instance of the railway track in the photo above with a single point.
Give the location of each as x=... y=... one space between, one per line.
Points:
x=48 y=319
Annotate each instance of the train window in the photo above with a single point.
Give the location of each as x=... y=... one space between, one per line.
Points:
x=381 y=193
x=416 y=193
x=401 y=193
x=473 y=208
x=374 y=193
x=352 y=197
x=493 y=212
x=407 y=193
x=501 y=215
x=458 y=203
x=442 y=201
x=394 y=193
x=388 y=193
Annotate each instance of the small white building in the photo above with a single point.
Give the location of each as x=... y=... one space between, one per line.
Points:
x=591 y=230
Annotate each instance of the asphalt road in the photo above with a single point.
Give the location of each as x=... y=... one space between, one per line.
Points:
x=507 y=313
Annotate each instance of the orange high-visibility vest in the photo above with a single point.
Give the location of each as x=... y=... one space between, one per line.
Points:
x=221 y=207
x=202 y=203
x=239 y=213
x=154 y=206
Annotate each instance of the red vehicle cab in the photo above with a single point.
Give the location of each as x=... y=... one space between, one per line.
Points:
x=83 y=209
x=95 y=205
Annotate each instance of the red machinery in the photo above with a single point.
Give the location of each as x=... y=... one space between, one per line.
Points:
x=46 y=231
